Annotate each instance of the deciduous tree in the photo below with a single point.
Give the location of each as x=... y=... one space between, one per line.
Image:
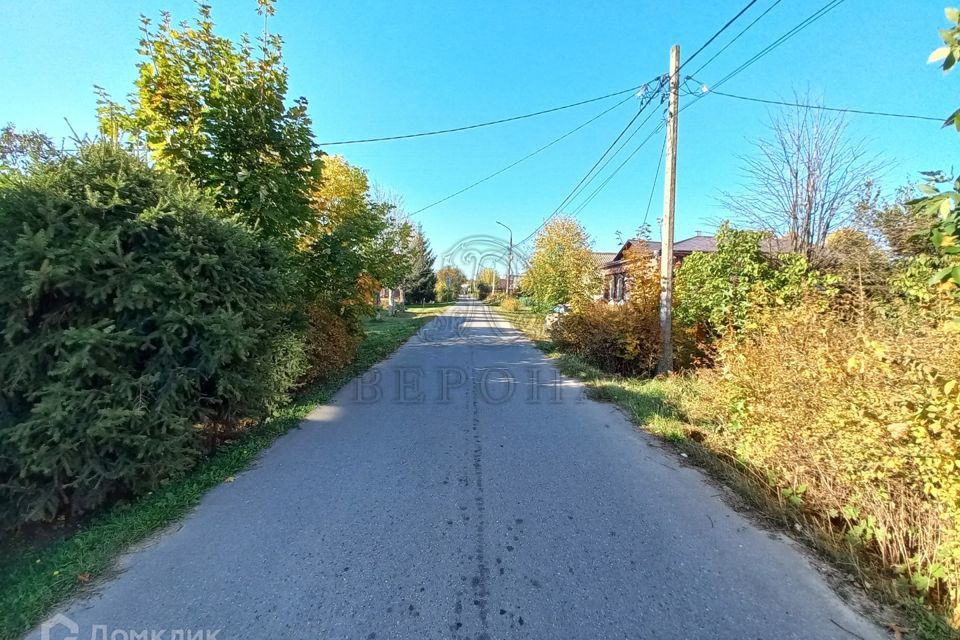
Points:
x=20 y=149
x=217 y=112
x=489 y=277
x=449 y=281
x=941 y=205
x=804 y=180
x=351 y=240
x=562 y=267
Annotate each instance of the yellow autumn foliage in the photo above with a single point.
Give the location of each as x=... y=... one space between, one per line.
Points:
x=855 y=418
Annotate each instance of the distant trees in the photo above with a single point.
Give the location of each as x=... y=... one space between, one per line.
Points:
x=353 y=244
x=562 y=267
x=804 y=181
x=449 y=281
x=18 y=150
x=489 y=277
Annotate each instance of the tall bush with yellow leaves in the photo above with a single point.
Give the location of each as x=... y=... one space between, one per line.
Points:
x=855 y=421
x=621 y=338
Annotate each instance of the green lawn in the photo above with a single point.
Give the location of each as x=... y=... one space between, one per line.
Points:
x=38 y=572
x=530 y=323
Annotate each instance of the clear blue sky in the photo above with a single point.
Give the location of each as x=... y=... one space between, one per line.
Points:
x=373 y=68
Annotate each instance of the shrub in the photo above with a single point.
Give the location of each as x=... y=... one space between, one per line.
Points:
x=496 y=298
x=858 y=423
x=859 y=264
x=510 y=305
x=331 y=342
x=591 y=330
x=618 y=338
x=133 y=322
x=716 y=291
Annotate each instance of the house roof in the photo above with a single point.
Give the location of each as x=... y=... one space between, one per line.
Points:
x=603 y=257
x=694 y=244
x=705 y=244
x=652 y=245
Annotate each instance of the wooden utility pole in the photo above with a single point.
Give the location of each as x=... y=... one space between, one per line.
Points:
x=509 y=264
x=669 y=209
x=509 y=255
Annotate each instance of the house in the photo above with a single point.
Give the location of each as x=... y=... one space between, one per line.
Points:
x=514 y=283
x=391 y=300
x=603 y=257
x=614 y=269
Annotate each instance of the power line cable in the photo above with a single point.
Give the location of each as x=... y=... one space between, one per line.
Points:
x=663 y=148
x=886 y=114
x=574 y=191
x=809 y=20
x=737 y=37
x=656 y=176
x=779 y=41
x=481 y=124
x=803 y=24
x=611 y=157
x=573 y=194
x=717 y=34
x=524 y=158
x=524 y=116
x=617 y=170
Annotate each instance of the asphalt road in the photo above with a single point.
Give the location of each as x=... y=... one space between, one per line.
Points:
x=463 y=490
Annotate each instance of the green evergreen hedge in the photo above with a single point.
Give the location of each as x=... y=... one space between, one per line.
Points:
x=134 y=321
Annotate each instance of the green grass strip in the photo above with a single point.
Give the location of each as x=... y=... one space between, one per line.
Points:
x=35 y=578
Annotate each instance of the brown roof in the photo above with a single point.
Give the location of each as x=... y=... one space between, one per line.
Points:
x=603 y=257
x=704 y=244
x=695 y=244
x=652 y=245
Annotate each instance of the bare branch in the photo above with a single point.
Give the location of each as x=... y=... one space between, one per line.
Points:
x=804 y=180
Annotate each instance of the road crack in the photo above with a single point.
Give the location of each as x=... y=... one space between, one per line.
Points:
x=479 y=582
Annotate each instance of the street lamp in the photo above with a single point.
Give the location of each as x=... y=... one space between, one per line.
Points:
x=509 y=255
